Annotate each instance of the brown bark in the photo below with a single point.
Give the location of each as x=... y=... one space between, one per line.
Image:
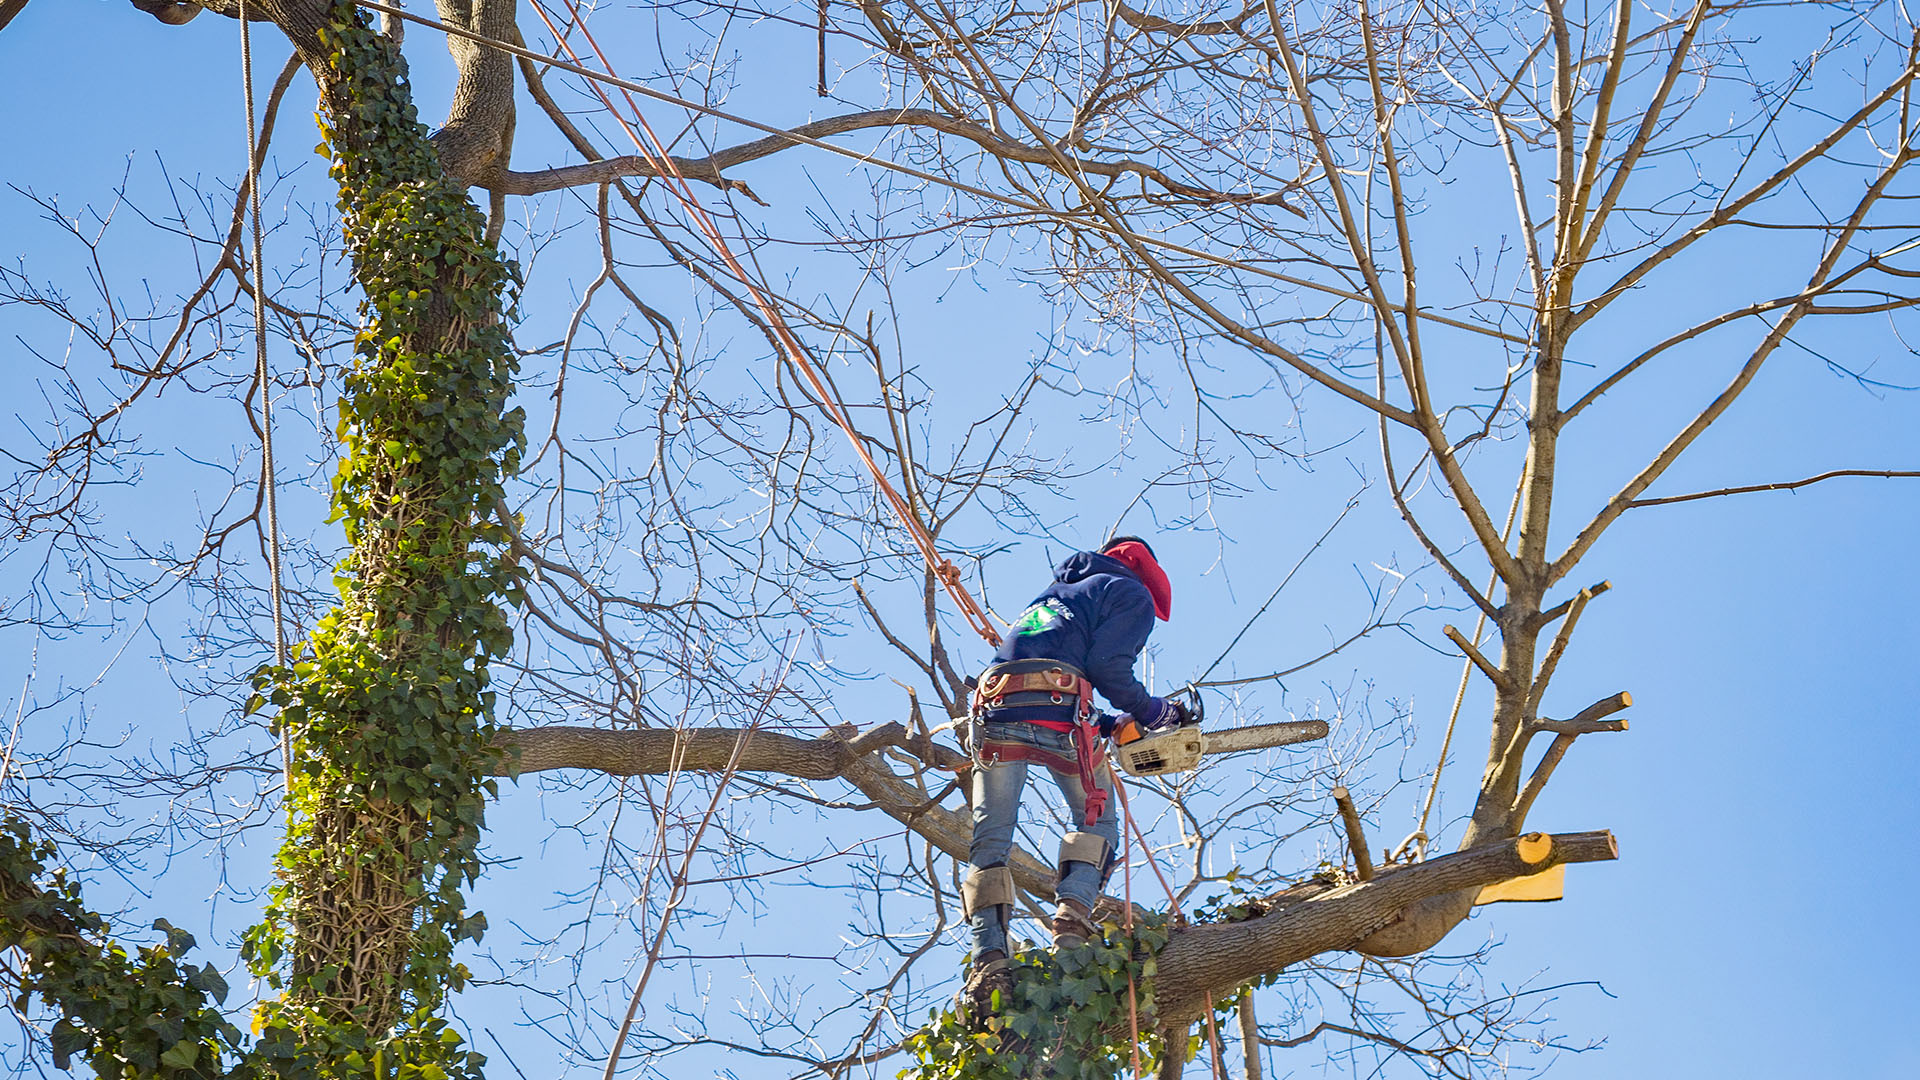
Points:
x=1217 y=958
x=476 y=141
x=1400 y=911
x=167 y=11
x=1250 y=1036
x=650 y=751
x=841 y=755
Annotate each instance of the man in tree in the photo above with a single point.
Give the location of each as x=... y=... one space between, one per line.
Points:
x=1035 y=704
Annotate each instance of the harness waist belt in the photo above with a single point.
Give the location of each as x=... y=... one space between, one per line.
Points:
x=1015 y=683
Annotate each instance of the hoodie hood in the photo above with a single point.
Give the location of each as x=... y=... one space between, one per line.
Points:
x=1085 y=564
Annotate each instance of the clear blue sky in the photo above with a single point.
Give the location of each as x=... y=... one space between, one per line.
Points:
x=1764 y=799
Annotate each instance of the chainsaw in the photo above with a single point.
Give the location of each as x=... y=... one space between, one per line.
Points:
x=1178 y=749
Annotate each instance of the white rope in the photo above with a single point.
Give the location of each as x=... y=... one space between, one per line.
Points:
x=1419 y=835
x=269 y=483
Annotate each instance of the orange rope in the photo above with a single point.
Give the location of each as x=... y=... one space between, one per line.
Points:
x=1133 y=992
x=1213 y=1034
x=655 y=153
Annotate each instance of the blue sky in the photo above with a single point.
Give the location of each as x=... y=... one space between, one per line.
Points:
x=1763 y=799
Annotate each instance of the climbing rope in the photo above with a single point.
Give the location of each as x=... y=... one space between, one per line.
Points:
x=654 y=152
x=1415 y=845
x=269 y=482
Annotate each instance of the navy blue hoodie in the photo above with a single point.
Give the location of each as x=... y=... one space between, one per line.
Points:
x=1096 y=616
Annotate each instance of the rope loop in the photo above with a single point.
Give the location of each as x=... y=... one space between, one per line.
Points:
x=1413 y=849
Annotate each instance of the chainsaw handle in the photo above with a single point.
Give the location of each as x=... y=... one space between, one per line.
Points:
x=1196 y=707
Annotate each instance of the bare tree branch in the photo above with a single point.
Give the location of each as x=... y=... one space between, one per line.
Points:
x=1784 y=485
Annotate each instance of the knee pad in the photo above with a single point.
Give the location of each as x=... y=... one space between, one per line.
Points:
x=1085 y=847
x=986 y=887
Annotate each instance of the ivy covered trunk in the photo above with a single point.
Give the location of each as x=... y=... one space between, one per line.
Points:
x=387 y=708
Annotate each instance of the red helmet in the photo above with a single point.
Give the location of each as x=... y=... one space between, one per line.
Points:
x=1133 y=553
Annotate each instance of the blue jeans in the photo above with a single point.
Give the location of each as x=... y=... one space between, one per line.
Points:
x=997 y=786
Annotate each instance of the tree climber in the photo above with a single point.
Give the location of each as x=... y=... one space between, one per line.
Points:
x=1035 y=704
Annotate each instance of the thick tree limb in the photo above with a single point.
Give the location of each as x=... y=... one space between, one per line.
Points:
x=477 y=137
x=1217 y=958
x=474 y=142
x=1597 y=711
x=1356 y=834
x=1154 y=24
x=1487 y=667
x=171 y=13
x=654 y=751
x=1575 y=727
x=1589 y=720
x=1542 y=772
x=167 y=11
x=1554 y=612
x=1250 y=1036
x=8 y=9
x=949 y=831
x=1398 y=906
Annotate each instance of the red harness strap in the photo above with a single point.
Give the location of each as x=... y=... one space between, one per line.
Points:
x=1084 y=730
x=1086 y=743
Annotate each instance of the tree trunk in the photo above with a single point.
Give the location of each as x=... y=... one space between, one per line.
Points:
x=390 y=717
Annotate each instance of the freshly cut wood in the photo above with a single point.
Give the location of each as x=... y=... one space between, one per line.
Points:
x=1534 y=847
x=1550 y=884
x=1604 y=708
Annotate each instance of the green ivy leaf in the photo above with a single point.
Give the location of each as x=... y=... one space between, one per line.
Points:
x=181 y=1055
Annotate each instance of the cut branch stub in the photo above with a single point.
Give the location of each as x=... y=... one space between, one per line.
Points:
x=1479 y=659
x=1559 y=648
x=1533 y=848
x=1603 y=708
x=1356 y=833
x=1591 y=591
x=1589 y=720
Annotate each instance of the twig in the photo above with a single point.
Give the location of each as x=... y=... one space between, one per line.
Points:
x=680 y=878
x=1787 y=485
x=1302 y=561
x=868 y=158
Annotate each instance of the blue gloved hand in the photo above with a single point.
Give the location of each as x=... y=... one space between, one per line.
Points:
x=1162 y=714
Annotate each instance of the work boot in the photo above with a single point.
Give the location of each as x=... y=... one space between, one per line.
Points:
x=990 y=974
x=1072 y=925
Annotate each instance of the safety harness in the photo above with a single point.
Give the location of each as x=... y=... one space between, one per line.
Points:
x=1016 y=684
